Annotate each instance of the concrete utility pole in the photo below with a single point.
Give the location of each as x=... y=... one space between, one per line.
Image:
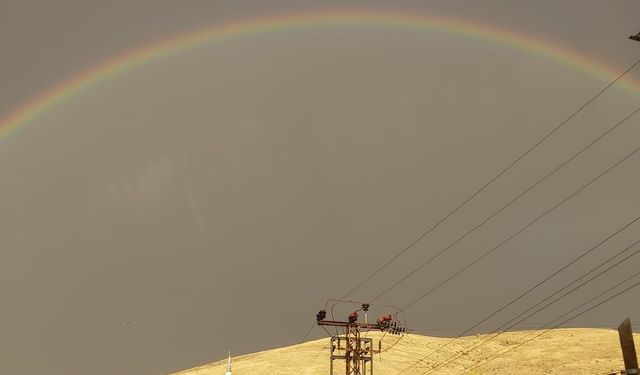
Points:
x=628 y=348
x=357 y=351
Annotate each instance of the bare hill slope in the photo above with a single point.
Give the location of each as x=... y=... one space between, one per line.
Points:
x=561 y=351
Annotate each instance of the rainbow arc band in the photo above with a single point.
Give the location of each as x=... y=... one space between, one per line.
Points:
x=80 y=82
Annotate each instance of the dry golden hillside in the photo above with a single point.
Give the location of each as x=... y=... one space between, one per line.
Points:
x=561 y=351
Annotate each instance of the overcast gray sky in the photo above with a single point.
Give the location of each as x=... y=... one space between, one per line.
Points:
x=216 y=198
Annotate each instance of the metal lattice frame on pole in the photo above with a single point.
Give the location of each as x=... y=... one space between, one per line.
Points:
x=338 y=350
x=355 y=350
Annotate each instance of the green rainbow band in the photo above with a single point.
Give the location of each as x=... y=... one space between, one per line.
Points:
x=56 y=95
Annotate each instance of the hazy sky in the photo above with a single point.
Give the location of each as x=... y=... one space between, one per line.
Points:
x=218 y=197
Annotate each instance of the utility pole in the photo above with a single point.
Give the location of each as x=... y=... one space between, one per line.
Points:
x=357 y=351
x=628 y=348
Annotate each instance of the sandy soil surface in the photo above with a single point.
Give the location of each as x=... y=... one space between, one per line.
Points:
x=561 y=351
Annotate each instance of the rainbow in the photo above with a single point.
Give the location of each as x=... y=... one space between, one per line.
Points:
x=53 y=97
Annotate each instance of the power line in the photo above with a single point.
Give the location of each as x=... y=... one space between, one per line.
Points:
x=502 y=172
x=286 y=364
x=504 y=207
x=502 y=328
x=561 y=316
x=315 y=358
x=495 y=178
x=484 y=255
x=559 y=324
x=522 y=295
x=495 y=213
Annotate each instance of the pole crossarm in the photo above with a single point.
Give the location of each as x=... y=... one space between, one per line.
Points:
x=361 y=326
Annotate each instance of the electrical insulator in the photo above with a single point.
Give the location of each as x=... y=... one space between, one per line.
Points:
x=353 y=317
